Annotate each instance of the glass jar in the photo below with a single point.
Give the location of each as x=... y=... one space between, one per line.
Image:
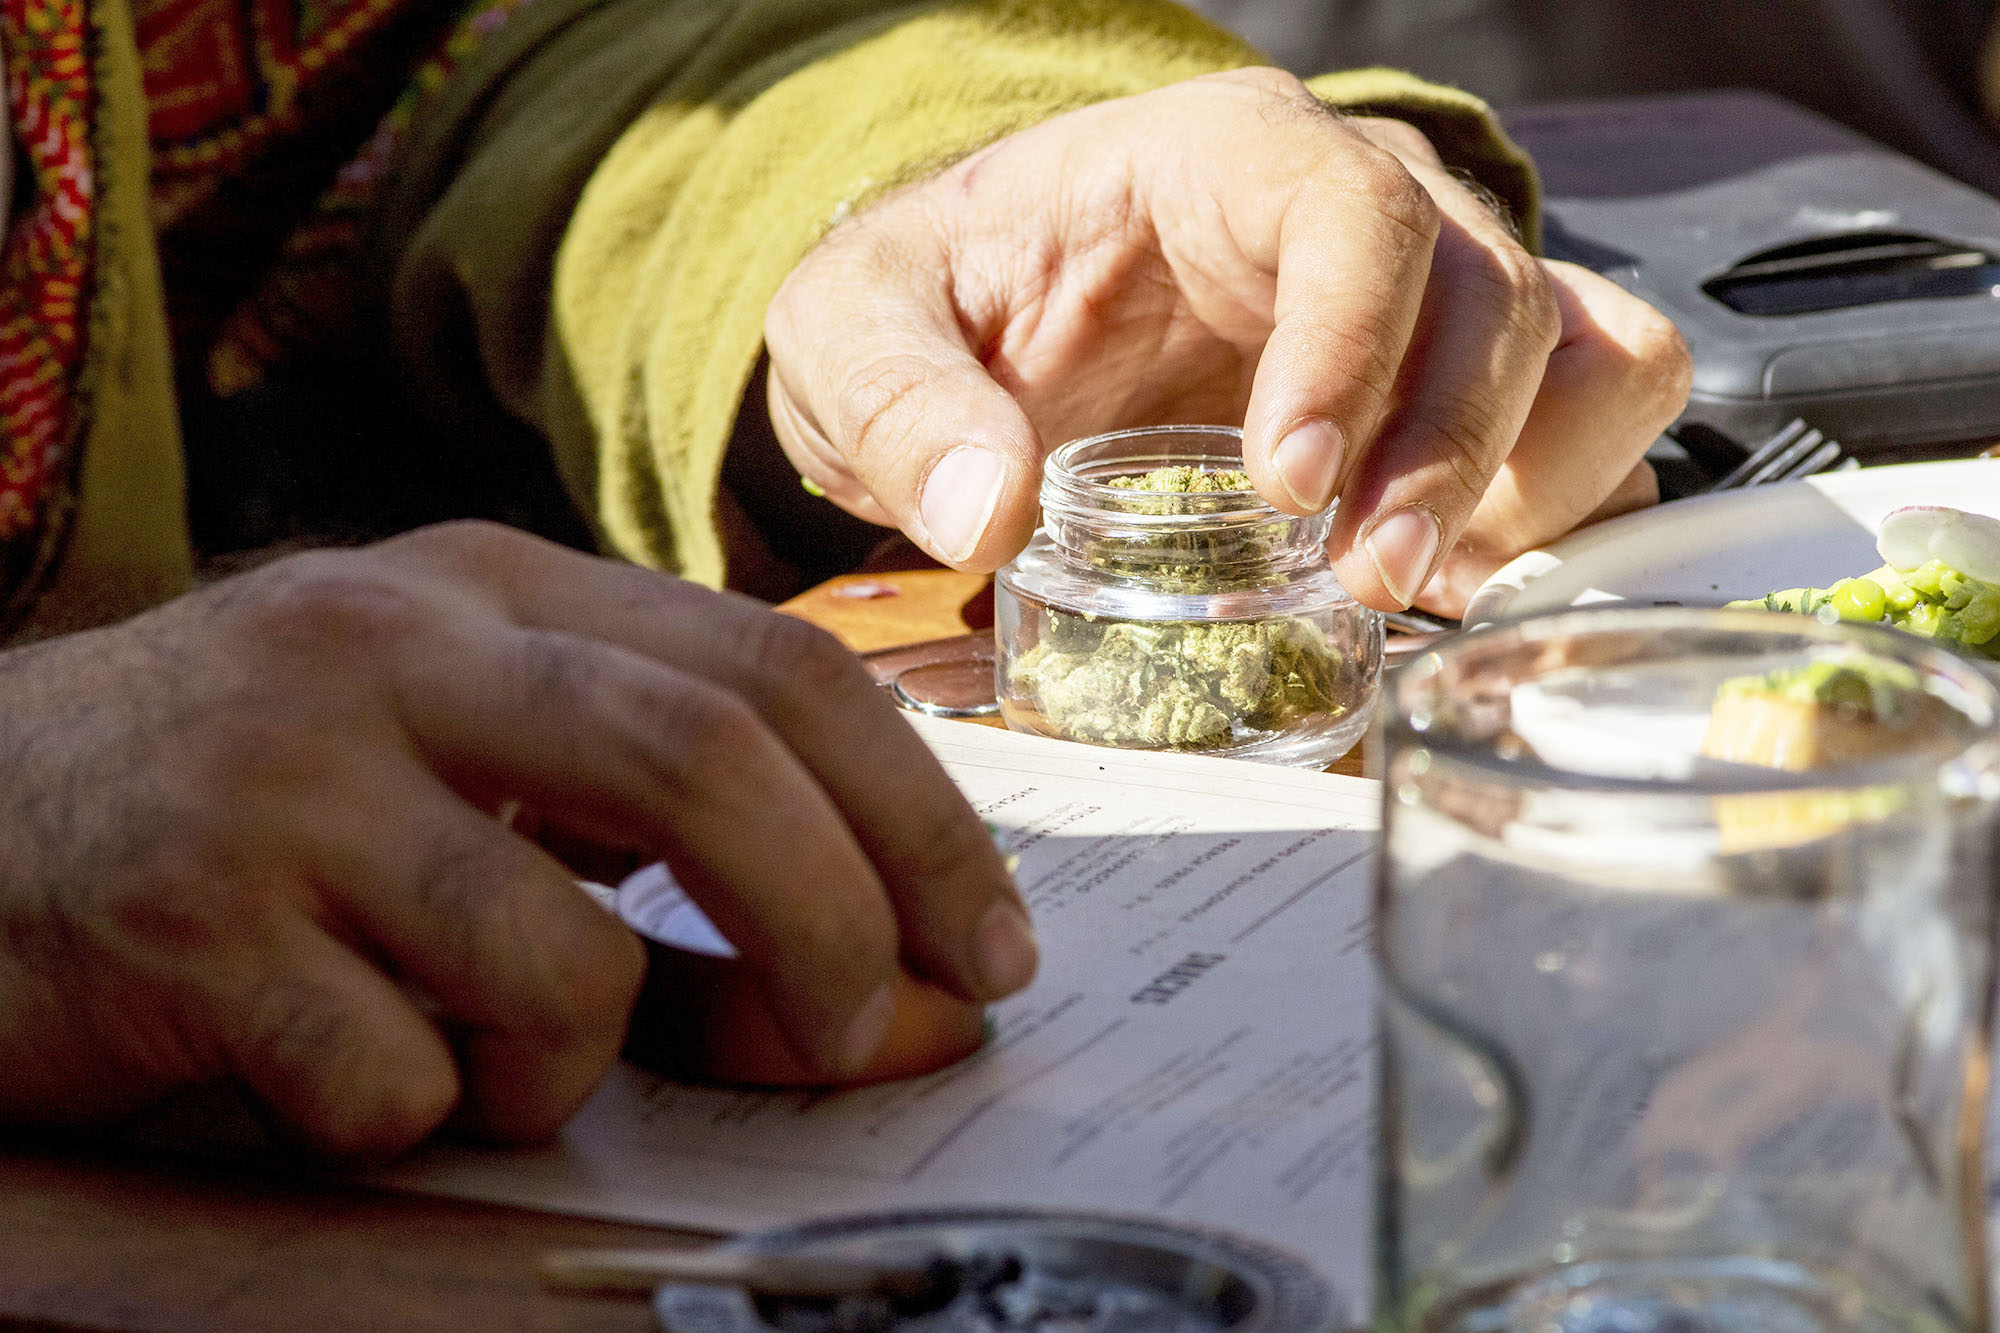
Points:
x=1683 y=924
x=1180 y=619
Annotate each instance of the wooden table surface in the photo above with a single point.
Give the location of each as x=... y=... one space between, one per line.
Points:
x=103 y=1237
x=870 y=611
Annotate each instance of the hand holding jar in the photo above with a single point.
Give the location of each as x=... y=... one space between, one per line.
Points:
x=1222 y=250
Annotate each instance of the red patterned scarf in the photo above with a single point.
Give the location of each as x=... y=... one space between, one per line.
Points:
x=253 y=105
x=44 y=274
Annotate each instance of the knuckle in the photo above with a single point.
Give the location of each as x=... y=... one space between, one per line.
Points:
x=790 y=318
x=479 y=543
x=1506 y=288
x=1627 y=343
x=1287 y=87
x=1642 y=358
x=587 y=988
x=1360 y=345
x=583 y=994
x=296 y=1027
x=255 y=757
x=952 y=855
x=705 y=735
x=484 y=896
x=867 y=421
x=1400 y=137
x=192 y=910
x=1469 y=440
x=1528 y=307
x=788 y=659
x=1395 y=195
x=554 y=672
x=1267 y=79
x=451 y=880
x=1666 y=364
x=313 y=1058
x=860 y=944
x=334 y=603
x=637 y=592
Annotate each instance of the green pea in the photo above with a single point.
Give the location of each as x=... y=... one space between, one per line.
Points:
x=1900 y=596
x=1860 y=599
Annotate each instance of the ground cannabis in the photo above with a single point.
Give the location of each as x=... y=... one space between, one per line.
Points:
x=1185 y=479
x=1183 y=684
x=1202 y=558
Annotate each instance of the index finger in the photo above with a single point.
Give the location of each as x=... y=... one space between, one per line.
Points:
x=1465 y=382
x=1350 y=244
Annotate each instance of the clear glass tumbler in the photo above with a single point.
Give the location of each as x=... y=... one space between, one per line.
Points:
x=1685 y=925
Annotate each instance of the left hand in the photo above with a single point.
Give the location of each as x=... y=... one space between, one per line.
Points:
x=249 y=838
x=1222 y=250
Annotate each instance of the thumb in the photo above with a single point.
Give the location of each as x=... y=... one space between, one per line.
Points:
x=878 y=397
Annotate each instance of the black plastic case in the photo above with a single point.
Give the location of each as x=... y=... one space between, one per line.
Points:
x=1813 y=272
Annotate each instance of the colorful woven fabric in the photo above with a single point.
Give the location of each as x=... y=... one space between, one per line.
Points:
x=307 y=300
x=233 y=87
x=225 y=79
x=44 y=270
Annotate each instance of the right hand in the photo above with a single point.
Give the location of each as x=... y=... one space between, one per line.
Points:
x=249 y=838
x=1221 y=250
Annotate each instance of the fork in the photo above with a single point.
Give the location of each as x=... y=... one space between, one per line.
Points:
x=1797 y=450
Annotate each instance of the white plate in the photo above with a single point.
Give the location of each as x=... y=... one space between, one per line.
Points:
x=1713 y=549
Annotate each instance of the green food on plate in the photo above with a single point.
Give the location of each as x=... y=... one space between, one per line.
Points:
x=1940 y=577
x=1933 y=600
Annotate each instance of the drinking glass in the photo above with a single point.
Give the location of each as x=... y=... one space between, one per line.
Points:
x=1684 y=931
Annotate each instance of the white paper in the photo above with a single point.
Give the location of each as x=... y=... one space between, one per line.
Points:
x=1198 y=1044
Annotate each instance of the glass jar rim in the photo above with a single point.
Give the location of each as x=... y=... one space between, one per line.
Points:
x=1952 y=678
x=1077 y=476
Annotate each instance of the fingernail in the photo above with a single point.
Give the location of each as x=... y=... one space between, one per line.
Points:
x=1308 y=463
x=868 y=1031
x=958 y=500
x=1004 y=948
x=1403 y=545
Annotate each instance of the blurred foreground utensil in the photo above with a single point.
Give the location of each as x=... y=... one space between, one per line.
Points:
x=1411 y=633
x=1416 y=622
x=930 y=1280
x=1797 y=450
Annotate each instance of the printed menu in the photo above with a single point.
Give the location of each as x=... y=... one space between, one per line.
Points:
x=1198 y=1044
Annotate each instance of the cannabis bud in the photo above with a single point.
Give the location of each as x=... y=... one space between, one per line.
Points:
x=1164 y=606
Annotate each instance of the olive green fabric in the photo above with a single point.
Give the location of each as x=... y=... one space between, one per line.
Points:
x=686 y=155
x=659 y=167
x=127 y=546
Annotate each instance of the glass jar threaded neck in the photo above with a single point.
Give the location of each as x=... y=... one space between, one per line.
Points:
x=1225 y=536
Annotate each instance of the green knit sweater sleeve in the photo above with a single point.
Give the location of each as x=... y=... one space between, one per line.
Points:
x=593 y=222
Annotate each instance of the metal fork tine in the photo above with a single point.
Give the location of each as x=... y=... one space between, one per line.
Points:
x=1797 y=450
x=1761 y=455
x=1779 y=466
x=1817 y=461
